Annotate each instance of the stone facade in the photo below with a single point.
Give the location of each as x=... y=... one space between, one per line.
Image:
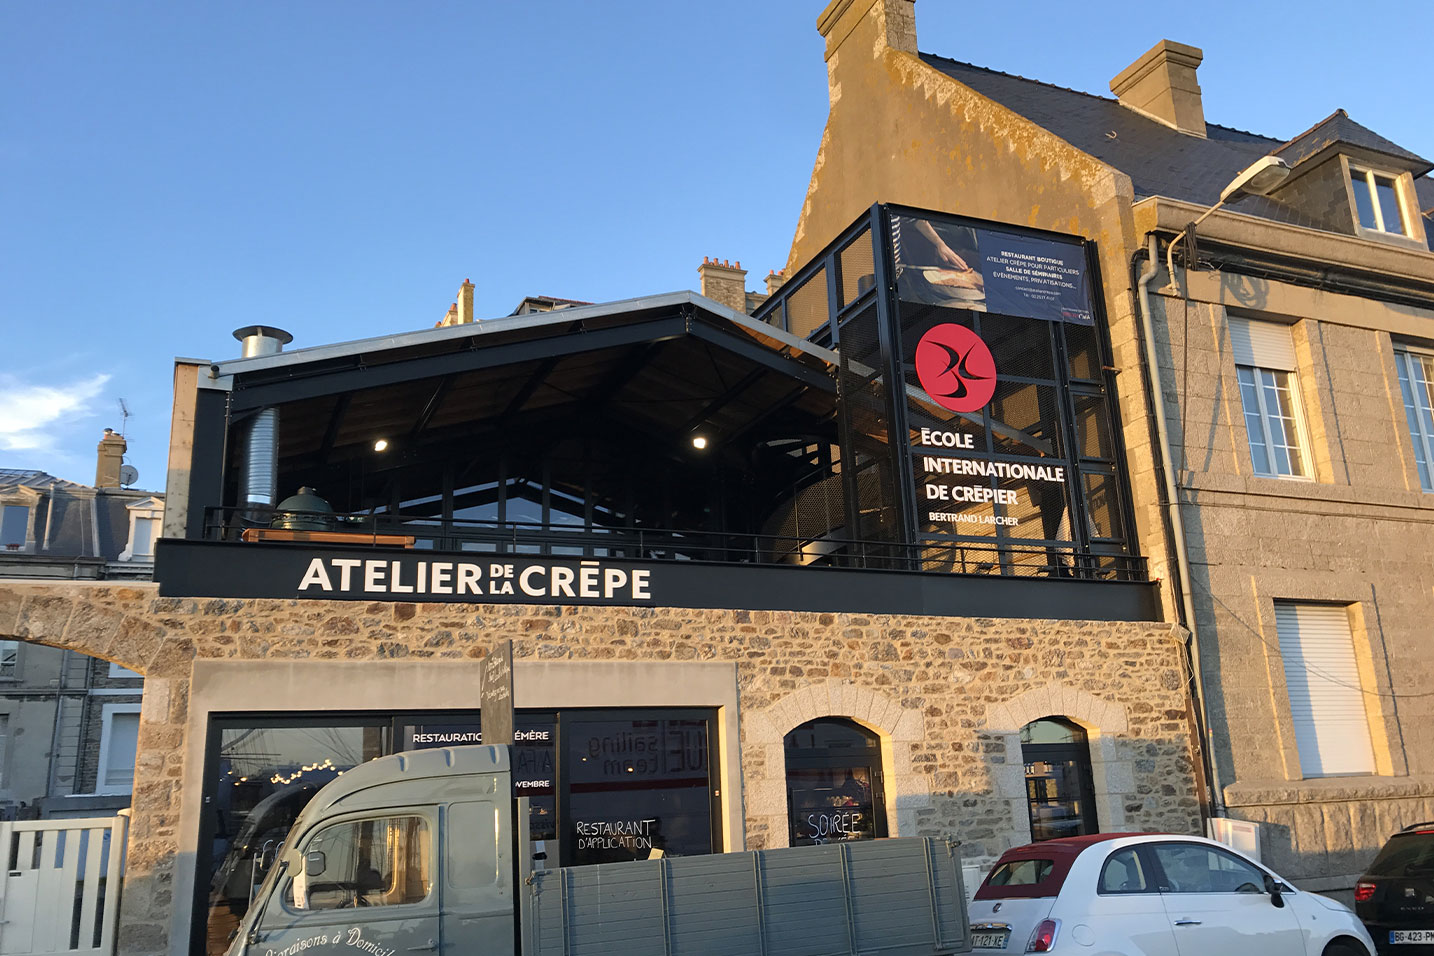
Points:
x=947 y=696
x=1356 y=534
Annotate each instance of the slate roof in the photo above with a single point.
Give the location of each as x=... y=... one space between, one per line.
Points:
x=1339 y=128
x=33 y=479
x=1159 y=160
x=73 y=516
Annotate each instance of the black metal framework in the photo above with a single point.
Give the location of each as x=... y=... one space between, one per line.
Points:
x=685 y=738
x=1076 y=423
x=665 y=432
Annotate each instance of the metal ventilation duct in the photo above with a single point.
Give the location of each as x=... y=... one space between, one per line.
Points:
x=260 y=470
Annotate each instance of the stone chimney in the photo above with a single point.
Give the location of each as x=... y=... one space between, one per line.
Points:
x=1161 y=84
x=111 y=455
x=870 y=25
x=465 y=303
x=774 y=281
x=724 y=282
x=460 y=312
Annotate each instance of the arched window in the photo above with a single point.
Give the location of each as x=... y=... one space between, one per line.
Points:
x=1059 y=790
x=834 y=783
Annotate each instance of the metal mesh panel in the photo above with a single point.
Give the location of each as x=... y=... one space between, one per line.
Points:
x=1093 y=438
x=858 y=268
x=808 y=308
x=1082 y=352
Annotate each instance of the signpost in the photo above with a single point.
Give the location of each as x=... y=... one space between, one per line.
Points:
x=496 y=696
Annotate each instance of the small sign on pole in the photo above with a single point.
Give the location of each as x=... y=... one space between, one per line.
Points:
x=496 y=696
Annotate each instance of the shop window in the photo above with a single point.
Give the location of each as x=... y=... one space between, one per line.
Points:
x=384 y=862
x=1269 y=395
x=834 y=783
x=636 y=789
x=1059 y=790
x=1416 y=385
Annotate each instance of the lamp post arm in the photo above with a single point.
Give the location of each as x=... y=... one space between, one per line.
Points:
x=1170 y=252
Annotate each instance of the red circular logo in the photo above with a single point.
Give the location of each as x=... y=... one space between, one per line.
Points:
x=955 y=367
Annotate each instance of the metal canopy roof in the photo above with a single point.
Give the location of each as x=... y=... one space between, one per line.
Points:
x=660 y=368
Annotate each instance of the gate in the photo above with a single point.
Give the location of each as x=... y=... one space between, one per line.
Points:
x=61 y=890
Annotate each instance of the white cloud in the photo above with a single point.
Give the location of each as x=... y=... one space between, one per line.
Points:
x=28 y=413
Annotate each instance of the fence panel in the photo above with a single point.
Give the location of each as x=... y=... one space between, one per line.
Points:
x=60 y=893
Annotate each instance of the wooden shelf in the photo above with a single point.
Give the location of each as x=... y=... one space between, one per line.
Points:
x=289 y=536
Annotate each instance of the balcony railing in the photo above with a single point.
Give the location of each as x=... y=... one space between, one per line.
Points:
x=1051 y=560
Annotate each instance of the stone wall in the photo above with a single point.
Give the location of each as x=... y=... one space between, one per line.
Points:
x=947 y=696
x=1356 y=533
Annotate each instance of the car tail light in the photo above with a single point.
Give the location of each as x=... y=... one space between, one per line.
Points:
x=1363 y=892
x=1044 y=937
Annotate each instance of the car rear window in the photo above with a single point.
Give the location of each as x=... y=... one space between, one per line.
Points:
x=1021 y=877
x=1020 y=873
x=1404 y=854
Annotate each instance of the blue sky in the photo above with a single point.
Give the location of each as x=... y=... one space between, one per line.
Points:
x=172 y=171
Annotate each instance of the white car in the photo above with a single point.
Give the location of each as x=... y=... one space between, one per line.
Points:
x=1152 y=894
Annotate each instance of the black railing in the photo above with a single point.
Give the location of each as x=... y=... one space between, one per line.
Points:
x=1054 y=560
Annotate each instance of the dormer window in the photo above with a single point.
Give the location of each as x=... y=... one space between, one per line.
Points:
x=1377 y=200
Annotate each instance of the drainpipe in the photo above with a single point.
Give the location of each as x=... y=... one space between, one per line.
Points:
x=1177 y=526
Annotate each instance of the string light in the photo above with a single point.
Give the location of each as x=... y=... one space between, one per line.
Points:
x=283 y=780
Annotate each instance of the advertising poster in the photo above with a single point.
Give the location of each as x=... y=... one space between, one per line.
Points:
x=967 y=267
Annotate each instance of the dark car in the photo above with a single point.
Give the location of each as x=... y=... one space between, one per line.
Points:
x=1395 y=898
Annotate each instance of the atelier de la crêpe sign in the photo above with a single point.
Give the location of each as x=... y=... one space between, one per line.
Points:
x=195 y=568
x=410 y=578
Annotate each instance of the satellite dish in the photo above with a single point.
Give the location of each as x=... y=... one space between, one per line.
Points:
x=129 y=474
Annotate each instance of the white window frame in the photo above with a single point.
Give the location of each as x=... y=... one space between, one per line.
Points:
x=27 y=502
x=1368 y=173
x=119 y=670
x=151 y=509
x=1262 y=346
x=1406 y=359
x=108 y=713
x=1297 y=413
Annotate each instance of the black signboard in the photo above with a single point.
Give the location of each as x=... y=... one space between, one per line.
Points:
x=497 y=696
x=941 y=262
x=227 y=569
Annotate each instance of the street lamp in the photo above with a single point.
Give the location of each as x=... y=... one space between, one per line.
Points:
x=1260 y=178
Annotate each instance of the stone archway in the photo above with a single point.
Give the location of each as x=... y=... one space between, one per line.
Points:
x=1105 y=723
x=900 y=729
x=69 y=624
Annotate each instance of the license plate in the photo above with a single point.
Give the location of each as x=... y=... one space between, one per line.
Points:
x=1411 y=936
x=990 y=940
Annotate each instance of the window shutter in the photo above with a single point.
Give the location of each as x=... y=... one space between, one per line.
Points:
x=1262 y=344
x=1326 y=702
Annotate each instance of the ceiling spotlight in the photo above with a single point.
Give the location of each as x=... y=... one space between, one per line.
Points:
x=381 y=445
x=699 y=442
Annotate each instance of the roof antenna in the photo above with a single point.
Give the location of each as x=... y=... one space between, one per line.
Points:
x=124 y=417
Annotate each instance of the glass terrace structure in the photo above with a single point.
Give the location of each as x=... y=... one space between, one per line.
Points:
x=925 y=403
